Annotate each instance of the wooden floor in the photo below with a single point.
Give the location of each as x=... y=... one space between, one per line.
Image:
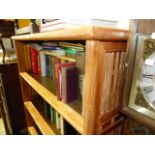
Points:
x=2 y=130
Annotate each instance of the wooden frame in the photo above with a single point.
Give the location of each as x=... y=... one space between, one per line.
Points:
x=140 y=114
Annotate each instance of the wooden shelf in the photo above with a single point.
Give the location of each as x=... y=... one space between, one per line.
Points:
x=50 y=84
x=66 y=58
x=74 y=118
x=79 y=33
x=38 y=119
x=32 y=130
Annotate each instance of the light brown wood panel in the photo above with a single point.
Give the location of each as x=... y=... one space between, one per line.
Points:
x=112 y=83
x=107 y=83
x=119 y=80
x=114 y=90
x=109 y=34
x=20 y=56
x=114 y=46
x=74 y=118
x=32 y=130
x=79 y=33
x=22 y=66
x=27 y=57
x=94 y=76
x=38 y=119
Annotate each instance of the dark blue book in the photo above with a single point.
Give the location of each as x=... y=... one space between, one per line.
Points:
x=51 y=47
x=47 y=110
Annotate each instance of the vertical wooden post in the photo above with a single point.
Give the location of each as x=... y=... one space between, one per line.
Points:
x=24 y=66
x=94 y=75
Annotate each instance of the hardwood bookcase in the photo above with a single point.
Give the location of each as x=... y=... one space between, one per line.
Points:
x=103 y=80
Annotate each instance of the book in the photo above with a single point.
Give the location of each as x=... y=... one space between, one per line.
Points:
x=50 y=67
x=72 y=45
x=51 y=47
x=55 y=62
x=47 y=110
x=51 y=114
x=61 y=125
x=34 y=60
x=42 y=64
x=94 y=22
x=71 y=83
x=57 y=120
x=60 y=78
x=51 y=43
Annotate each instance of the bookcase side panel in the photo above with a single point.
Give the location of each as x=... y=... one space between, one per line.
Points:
x=103 y=83
x=24 y=66
x=94 y=75
x=112 y=86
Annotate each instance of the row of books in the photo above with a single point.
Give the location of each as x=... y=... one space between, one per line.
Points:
x=66 y=74
x=59 y=24
x=56 y=119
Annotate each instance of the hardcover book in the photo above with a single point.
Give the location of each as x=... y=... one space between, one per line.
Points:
x=61 y=79
x=71 y=84
x=34 y=60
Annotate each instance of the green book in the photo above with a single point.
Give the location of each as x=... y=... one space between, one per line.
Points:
x=72 y=51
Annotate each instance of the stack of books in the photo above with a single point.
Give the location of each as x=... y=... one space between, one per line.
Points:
x=59 y=24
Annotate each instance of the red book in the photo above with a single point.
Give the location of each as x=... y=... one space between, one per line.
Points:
x=34 y=60
x=59 y=73
x=39 y=62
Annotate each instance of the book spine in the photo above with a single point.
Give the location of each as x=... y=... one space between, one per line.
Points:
x=43 y=64
x=71 y=84
x=34 y=61
x=39 y=62
x=57 y=120
x=59 y=97
x=62 y=125
x=52 y=114
x=51 y=47
x=47 y=110
x=64 y=84
x=50 y=67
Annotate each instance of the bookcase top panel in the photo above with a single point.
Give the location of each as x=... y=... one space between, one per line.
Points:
x=78 y=33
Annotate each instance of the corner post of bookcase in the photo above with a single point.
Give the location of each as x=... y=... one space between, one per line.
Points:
x=94 y=75
x=23 y=61
x=23 y=66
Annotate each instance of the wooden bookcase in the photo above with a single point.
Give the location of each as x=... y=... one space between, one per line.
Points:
x=103 y=80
